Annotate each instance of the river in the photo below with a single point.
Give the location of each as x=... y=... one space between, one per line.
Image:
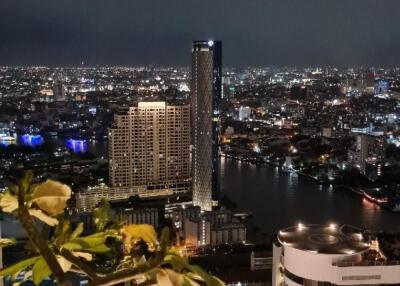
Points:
x=278 y=200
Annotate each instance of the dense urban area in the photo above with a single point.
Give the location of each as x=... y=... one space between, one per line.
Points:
x=336 y=127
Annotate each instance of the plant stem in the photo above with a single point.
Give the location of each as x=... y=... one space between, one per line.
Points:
x=80 y=264
x=38 y=241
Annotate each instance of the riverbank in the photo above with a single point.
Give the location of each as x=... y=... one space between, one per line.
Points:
x=320 y=181
x=277 y=200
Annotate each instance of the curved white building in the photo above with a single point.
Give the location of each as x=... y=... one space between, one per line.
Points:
x=323 y=255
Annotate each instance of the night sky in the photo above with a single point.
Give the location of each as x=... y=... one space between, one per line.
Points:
x=254 y=32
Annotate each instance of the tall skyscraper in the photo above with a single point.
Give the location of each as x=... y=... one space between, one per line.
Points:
x=206 y=92
x=149 y=148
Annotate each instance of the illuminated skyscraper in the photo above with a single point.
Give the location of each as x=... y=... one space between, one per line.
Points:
x=206 y=93
x=149 y=149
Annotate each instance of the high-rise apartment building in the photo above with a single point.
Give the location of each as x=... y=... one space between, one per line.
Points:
x=368 y=149
x=149 y=148
x=206 y=92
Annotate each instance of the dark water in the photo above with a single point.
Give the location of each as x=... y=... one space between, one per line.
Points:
x=278 y=200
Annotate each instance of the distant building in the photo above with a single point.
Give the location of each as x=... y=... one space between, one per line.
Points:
x=138 y=216
x=196 y=232
x=381 y=87
x=206 y=92
x=260 y=260
x=45 y=95
x=333 y=132
x=330 y=255
x=244 y=113
x=225 y=228
x=326 y=132
x=59 y=91
x=368 y=149
x=198 y=228
x=149 y=148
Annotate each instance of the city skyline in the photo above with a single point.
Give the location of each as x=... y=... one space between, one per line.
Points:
x=212 y=143
x=260 y=33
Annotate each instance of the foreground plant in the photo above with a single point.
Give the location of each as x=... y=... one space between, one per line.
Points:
x=113 y=254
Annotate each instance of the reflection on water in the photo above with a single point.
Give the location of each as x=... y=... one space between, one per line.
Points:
x=77 y=145
x=278 y=200
x=31 y=140
x=6 y=139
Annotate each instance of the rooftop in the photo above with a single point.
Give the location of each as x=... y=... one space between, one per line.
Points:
x=325 y=239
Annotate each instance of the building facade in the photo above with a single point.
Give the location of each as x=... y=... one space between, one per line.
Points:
x=198 y=229
x=149 y=148
x=206 y=92
x=138 y=216
x=369 y=150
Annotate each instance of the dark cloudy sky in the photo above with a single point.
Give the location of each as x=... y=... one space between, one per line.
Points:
x=254 y=32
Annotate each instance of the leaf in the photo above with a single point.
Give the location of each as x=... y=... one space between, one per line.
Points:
x=8 y=202
x=164 y=240
x=51 y=196
x=86 y=242
x=73 y=245
x=7 y=241
x=64 y=263
x=77 y=232
x=174 y=277
x=189 y=282
x=208 y=279
x=145 y=232
x=101 y=215
x=163 y=279
x=17 y=267
x=178 y=263
x=27 y=275
x=193 y=277
x=93 y=239
x=102 y=248
x=40 y=271
x=84 y=255
x=43 y=217
x=63 y=232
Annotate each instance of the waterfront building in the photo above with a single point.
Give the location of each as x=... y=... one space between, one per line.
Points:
x=322 y=255
x=215 y=227
x=149 y=149
x=206 y=92
x=196 y=232
x=260 y=260
x=225 y=228
x=369 y=150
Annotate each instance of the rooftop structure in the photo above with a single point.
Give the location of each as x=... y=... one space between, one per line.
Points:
x=313 y=254
x=323 y=239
